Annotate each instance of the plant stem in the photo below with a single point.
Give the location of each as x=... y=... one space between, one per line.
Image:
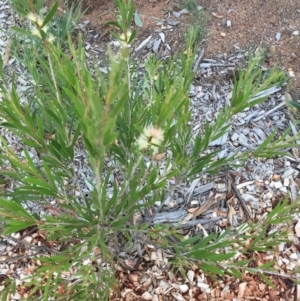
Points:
x=53 y=78
x=99 y=190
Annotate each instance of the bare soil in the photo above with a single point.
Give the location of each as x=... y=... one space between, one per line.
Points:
x=253 y=23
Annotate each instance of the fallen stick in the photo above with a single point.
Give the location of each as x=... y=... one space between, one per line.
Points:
x=238 y=195
x=198 y=60
x=269 y=112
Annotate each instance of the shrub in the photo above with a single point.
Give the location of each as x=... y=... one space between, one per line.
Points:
x=123 y=122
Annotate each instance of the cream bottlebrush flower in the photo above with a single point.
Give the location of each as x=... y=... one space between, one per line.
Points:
x=40 y=22
x=142 y=142
x=151 y=135
x=35 y=19
x=36 y=32
x=32 y=17
x=154 y=135
x=50 y=38
x=124 y=41
x=45 y=28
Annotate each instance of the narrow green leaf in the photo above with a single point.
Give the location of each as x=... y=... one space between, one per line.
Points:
x=39 y=5
x=295 y=105
x=267 y=280
x=236 y=273
x=120 y=222
x=189 y=241
x=15 y=207
x=49 y=174
x=211 y=268
x=202 y=255
x=31 y=190
x=39 y=183
x=266 y=265
x=133 y=34
x=22 y=31
x=219 y=245
x=9 y=228
x=30 y=161
x=119 y=26
x=50 y=14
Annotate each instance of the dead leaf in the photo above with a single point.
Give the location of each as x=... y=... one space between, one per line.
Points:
x=276 y=252
x=158 y=157
x=52 y=210
x=133 y=278
x=231 y=213
x=31 y=268
x=210 y=203
x=276 y=177
x=130 y=263
x=242 y=287
x=295 y=152
x=190 y=276
x=61 y=289
x=220 y=212
x=189 y=216
x=247 y=278
x=97 y=251
x=217 y=15
x=229 y=183
x=248 y=242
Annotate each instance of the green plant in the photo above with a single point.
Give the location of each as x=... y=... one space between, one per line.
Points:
x=198 y=21
x=198 y=25
x=190 y=5
x=294 y=109
x=27 y=48
x=123 y=121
